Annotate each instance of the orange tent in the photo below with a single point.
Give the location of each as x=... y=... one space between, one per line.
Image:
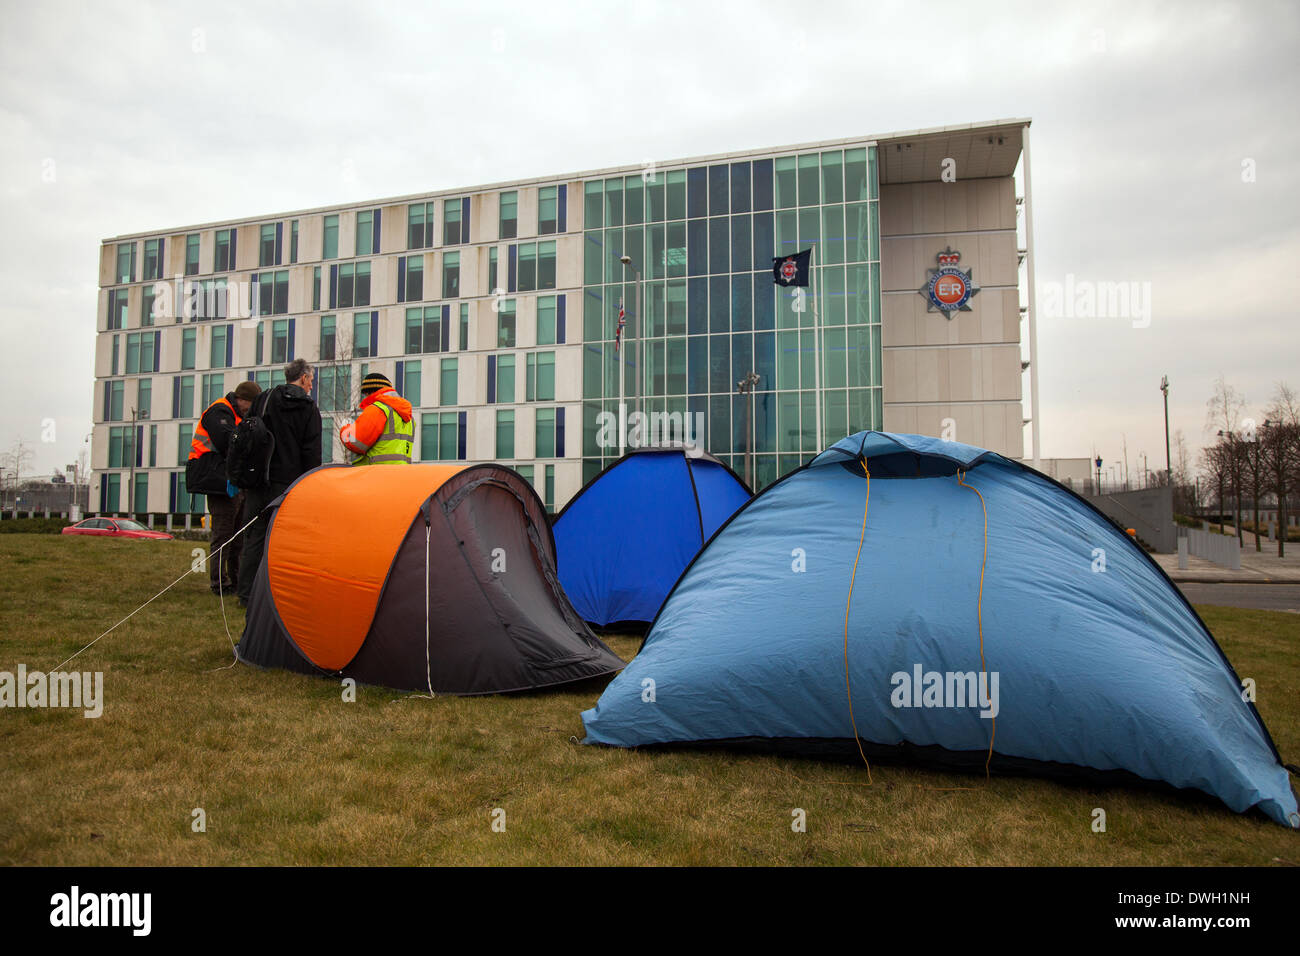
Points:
x=434 y=577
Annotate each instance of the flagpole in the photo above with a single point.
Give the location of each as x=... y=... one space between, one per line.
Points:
x=618 y=350
x=819 y=444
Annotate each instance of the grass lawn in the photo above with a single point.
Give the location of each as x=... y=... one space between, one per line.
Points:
x=287 y=772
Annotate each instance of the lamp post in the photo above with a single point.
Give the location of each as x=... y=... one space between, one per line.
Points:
x=746 y=389
x=636 y=392
x=1169 y=472
x=142 y=415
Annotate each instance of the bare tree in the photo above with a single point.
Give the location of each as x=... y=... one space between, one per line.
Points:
x=17 y=458
x=1280 y=451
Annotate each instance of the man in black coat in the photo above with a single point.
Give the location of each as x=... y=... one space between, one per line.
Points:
x=293 y=418
x=205 y=473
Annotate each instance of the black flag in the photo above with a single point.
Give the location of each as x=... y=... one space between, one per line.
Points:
x=792 y=270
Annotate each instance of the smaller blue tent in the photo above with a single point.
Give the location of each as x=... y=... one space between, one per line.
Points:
x=906 y=597
x=626 y=537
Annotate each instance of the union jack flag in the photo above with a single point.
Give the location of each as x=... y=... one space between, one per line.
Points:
x=618 y=332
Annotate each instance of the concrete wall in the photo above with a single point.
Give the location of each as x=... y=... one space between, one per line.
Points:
x=1149 y=512
x=961 y=377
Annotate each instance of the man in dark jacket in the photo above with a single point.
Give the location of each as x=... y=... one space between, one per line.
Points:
x=205 y=473
x=294 y=420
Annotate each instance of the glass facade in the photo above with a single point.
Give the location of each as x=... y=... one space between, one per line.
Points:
x=703 y=239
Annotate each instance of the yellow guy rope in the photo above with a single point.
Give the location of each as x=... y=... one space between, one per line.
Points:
x=979 y=613
x=847 y=604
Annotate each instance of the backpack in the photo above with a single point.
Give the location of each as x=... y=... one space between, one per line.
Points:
x=248 y=457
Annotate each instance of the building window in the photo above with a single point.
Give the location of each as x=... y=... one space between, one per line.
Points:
x=464 y=326
x=257 y=356
x=330 y=241
x=410 y=381
x=353 y=285
x=153 y=259
x=280 y=342
x=548 y=492
x=451 y=231
x=183 y=396
x=153 y=446
x=272 y=292
x=547 y=210
x=140 y=354
x=365 y=334
x=148 y=294
x=366 y=233
x=509 y=215
x=117 y=309
x=117 y=343
x=440 y=436
x=327 y=332
x=419 y=225
x=504 y=380
x=447 y=385
x=192 y=254
x=492 y=270
x=536 y=266
x=268 y=250
x=410 y=279
x=113 y=401
x=219 y=353
x=505 y=434
x=189 y=339
x=540 y=377
x=315 y=289
x=214 y=387
x=424 y=330
x=126 y=262
x=546 y=310
x=184 y=437
x=335 y=389
x=506 y=324
x=545 y=433
x=211 y=303
x=144 y=397
x=263 y=380
x=225 y=249
x=450 y=275
x=293 y=242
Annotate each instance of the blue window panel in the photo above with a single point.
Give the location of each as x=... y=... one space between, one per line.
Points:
x=460 y=438
x=764 y=242
x=492 y=379
x=742 y=304
x=292 y=328
x=398 y=380
x=157 y=349
x=464 y=226
x=720 y=306
x=254 y=299
x=561 y=305
x=697 y=247
x=697 y=305
x=446 y=328
x=252 y=376
x=719 y=245
x=740 y=187
x=401 y=279
x=334 y=286
x=374 y=332
x=559 y=433
x=562 y=209
x=374 y=233
x=697 y=192
x=139 y=449
x=762 y=183
x=697 y=364
x=764 y=301
x=718 y=190
x=171 y=494
x=176 y=396
x=512 y=269
x=279 y=242
x=742 y=253
x=230 y=345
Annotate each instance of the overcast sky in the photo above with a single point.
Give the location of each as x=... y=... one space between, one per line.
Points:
x=1147 y=120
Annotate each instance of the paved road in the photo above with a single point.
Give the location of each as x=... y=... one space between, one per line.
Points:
x=1267 y=597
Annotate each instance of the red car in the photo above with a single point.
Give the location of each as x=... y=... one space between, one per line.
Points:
x=115 y=528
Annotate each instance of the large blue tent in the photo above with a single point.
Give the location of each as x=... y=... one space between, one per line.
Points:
x=927 y=599
x=628 y=535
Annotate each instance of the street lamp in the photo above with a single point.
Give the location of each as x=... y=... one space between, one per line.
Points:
x=636 y=393
x=1169 y=468
x=142 y=415
x=745 y=387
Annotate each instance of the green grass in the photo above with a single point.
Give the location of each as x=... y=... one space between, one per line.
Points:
x=288 y=773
